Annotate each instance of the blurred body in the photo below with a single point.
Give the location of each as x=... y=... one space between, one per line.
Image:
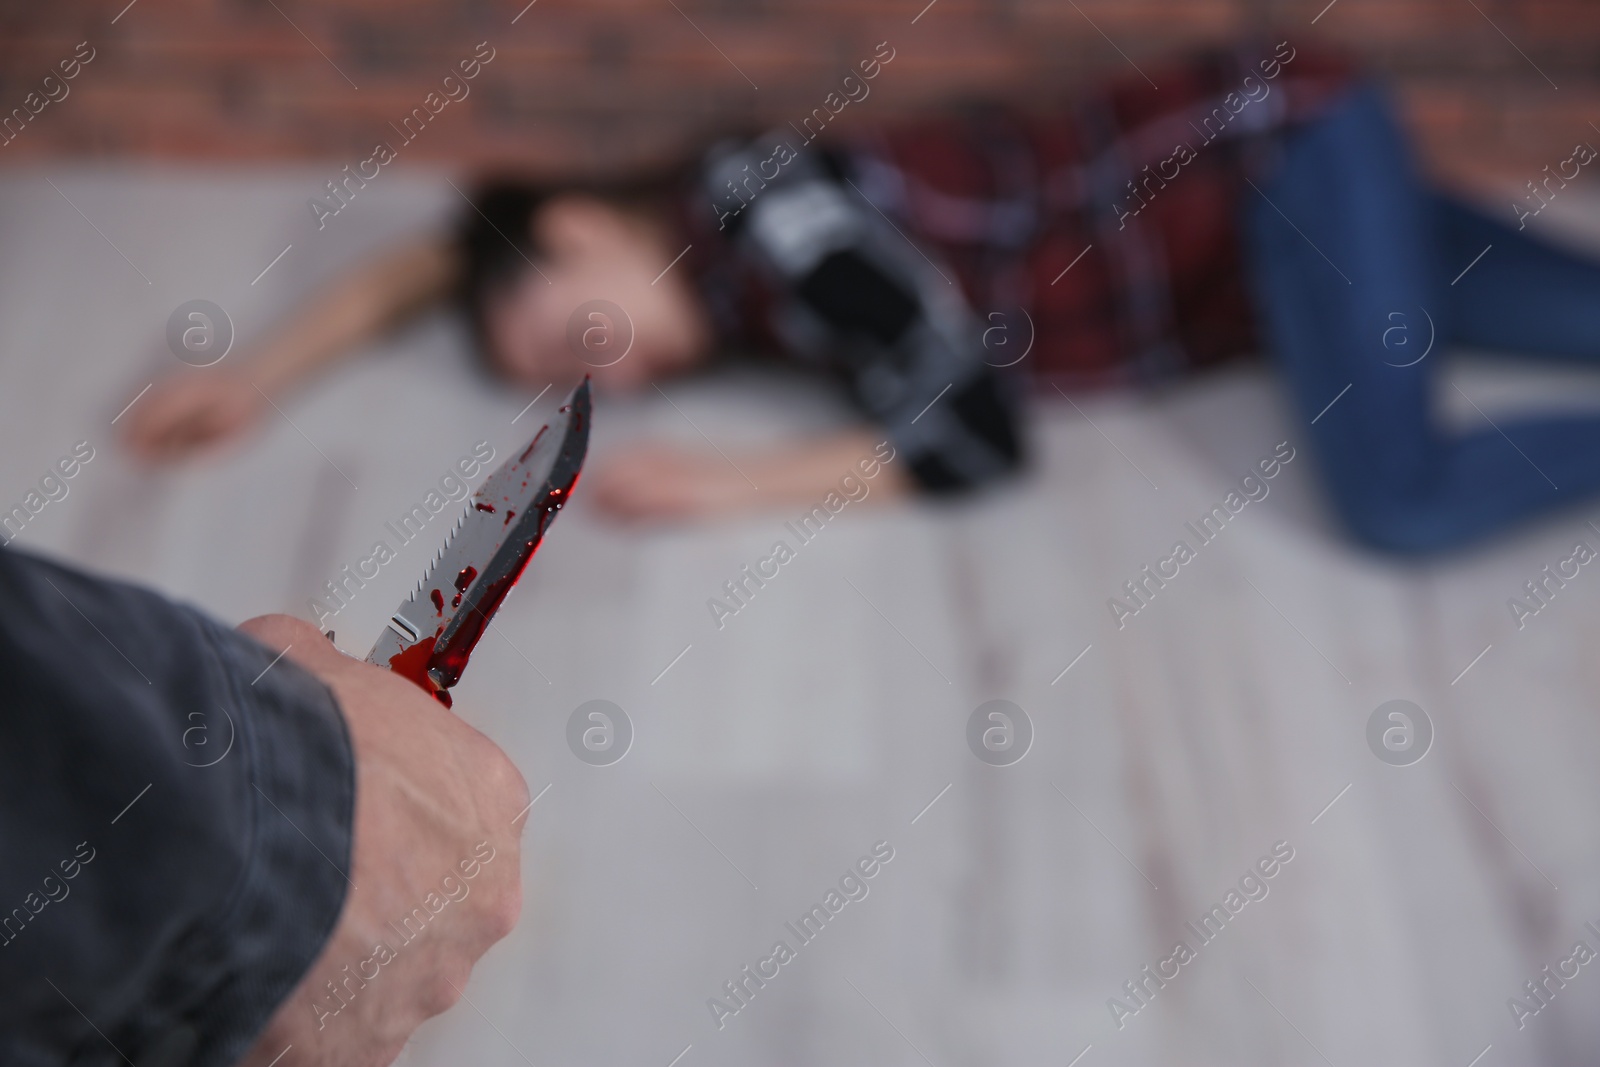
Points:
x=1141 y=234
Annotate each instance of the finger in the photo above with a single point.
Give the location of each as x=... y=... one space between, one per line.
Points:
x=166 y=428
x=175 y=431
x=625 y=502
x=148 y=425
x=194 y=430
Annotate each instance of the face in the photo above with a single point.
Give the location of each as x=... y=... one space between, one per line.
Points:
x=594 y=304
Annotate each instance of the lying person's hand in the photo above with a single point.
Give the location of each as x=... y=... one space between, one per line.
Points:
x=661 y=482
x=434 y=798
x=657 y=481
x=185 y=413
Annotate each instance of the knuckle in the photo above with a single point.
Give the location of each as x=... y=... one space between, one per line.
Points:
x=516 y=786
x=505 y=909
x=445 y=990
x=504 y=779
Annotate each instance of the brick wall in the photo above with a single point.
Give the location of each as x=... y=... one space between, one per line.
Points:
x=585 y=83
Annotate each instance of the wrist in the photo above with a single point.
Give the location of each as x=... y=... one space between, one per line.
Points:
x=853 y=463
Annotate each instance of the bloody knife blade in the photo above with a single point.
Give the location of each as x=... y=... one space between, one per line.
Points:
x=431 y=636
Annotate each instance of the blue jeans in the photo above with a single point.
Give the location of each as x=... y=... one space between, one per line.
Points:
x=1369 y=256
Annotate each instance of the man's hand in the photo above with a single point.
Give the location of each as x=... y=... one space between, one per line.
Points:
x=435 y=800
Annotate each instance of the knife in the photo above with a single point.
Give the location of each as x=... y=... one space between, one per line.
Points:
x=429 y=639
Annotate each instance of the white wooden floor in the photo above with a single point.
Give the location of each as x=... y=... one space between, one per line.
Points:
x=831 y=713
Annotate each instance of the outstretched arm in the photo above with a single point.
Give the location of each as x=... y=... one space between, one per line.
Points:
x=654 y=482
x=192 y=409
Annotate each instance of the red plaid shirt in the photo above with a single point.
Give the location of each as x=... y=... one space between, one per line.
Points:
x=1112 y=223
x=1109 y=227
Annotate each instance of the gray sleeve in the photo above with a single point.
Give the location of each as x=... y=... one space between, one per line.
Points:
x=175 y=826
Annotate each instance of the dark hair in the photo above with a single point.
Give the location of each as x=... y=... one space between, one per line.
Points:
x=495 y=242
x=495 y=236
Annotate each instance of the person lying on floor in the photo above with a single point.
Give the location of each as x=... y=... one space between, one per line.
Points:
x=1263 y=198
